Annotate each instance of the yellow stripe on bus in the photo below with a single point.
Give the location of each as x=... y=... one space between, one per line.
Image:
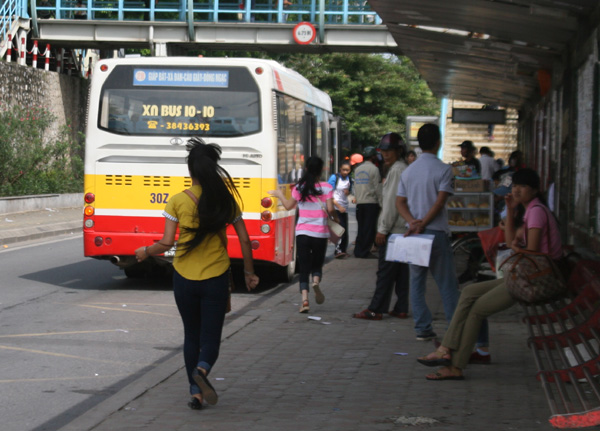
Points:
x=137 y=192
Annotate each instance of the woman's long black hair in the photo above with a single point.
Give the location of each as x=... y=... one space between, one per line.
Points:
x=307 y=185
x=217 y=205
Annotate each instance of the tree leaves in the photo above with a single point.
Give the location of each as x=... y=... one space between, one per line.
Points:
x=373 y=93
x=33 y=158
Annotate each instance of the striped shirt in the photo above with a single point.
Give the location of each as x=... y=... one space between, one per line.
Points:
x=312 y=220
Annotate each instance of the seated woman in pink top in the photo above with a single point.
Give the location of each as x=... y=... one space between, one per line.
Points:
x=314 y=200
x=480 y=300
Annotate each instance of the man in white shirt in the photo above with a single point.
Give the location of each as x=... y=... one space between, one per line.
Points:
x=423 y=190
x=488 y=164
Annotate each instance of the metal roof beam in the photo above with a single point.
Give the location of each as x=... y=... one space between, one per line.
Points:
x=505 y=21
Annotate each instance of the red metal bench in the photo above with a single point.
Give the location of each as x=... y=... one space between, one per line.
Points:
x=565 y=341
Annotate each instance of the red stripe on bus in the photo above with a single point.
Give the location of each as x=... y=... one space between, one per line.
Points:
x=121 y=236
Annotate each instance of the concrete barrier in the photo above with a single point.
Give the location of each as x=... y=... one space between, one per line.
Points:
x=21 y=204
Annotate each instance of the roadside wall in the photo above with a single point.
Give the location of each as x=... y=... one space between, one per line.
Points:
x=21 y=204
x=65 y=96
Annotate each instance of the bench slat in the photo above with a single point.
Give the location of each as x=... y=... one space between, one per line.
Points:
x=564 y=337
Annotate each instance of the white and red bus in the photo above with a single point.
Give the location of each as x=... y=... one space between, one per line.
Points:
x=266 y=118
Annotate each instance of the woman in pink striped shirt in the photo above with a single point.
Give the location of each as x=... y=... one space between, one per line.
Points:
x=314 y=199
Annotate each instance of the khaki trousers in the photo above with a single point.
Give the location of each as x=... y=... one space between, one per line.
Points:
x=477 y=302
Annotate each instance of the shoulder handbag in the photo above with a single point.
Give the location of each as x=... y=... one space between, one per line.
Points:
x=223 y=238
x=533 y=277
x=336 y=230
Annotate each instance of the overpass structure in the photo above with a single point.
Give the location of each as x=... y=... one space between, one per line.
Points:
x=174 y=26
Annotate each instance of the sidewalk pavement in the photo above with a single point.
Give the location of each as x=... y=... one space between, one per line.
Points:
x=281 y=370
x=19 y=227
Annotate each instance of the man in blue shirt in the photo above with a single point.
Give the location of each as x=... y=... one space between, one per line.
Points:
x=423 y=190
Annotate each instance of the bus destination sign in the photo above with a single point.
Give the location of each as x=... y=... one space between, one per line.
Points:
x=181 y=78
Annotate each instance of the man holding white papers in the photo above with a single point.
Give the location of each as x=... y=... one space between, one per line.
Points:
x=422 y=193
x=390 y=275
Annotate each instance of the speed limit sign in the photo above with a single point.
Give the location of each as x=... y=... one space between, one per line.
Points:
x=304 y=33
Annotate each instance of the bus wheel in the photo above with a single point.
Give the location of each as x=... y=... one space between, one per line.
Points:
x=135 y=271
x=288 y=271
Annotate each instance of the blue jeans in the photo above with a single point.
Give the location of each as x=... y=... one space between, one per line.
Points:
x=202 y=306
x=442 y=268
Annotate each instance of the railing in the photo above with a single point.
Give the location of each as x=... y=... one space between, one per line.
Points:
x=10 y=10
x=271 y=11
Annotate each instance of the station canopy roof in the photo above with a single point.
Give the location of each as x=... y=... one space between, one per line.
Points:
x=489 y=51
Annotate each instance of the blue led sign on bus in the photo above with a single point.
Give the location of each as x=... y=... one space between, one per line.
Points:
x=181 y=78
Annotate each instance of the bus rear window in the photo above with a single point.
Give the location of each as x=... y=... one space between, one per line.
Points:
x=208 y=101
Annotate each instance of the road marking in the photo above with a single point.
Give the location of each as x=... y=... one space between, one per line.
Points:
x=75 y=280
x=63 y=378
x=133 y=303
x=41 y=241
x=43 y=334
x=127 y=309
x=62 y=355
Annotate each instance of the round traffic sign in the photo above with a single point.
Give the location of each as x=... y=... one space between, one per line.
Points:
x=304 y=33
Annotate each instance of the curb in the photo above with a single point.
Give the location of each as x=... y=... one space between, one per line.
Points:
x=38 y=232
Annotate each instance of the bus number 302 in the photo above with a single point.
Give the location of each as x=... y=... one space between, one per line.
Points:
x=159 y=198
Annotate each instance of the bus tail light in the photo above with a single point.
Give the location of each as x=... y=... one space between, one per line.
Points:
x=265 y=228
x=266 y=216
x=259 y=70
x=89 y=211
x=98 y=241
x=255 y=245
x=89 y=223
x=266 y=202
x=103 y=67
x=108 y=241
x=89 y=198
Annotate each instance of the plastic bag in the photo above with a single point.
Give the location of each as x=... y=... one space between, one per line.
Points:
x=490 y=241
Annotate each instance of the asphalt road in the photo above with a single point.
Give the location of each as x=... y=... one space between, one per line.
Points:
x=73 y=331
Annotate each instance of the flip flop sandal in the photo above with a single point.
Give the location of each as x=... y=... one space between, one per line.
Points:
x=367 y=315
x=208 y=392
x=440 y=376
x=305 y=308
x=195 y=404
x=437 y=362
x=319 y=297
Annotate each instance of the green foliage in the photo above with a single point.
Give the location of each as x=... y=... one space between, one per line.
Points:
x=372 y=93
x=34 y=160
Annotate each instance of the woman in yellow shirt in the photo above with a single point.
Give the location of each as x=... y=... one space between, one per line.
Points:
x=201 y=263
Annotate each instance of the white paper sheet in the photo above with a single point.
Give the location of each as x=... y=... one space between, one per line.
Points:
x=413 y=249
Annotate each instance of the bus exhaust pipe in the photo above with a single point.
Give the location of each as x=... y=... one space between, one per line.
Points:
x=123 y=261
